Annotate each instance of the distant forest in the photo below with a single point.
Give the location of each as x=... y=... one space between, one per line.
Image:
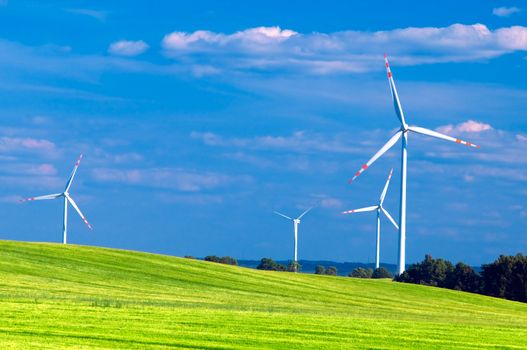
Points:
x=506 y=277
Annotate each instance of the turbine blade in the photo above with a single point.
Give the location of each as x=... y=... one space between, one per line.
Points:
x=383 y=194
x=70 y=180
x=48 y=196
x=285 y=216
x=395 y=96
x=304 y=213
x=379 y=153
x=390 y=217
x=438 y=135
x=74 y=205
x=372 y=208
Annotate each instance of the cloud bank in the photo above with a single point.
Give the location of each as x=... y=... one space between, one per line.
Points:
x=274 y=48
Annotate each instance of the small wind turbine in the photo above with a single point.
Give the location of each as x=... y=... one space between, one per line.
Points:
x=67 y=198
x=296 y=222
x=379 y=208
x=403 y=131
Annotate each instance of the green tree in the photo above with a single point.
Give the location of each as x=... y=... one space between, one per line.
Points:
x=331 y=270
x=361 y=272
x=319 y=270
x=464 y=278
x=506 y=277
x=212 y=258
x=381 y=272
x=270 y=264
x=228 y=260
x=431 y=272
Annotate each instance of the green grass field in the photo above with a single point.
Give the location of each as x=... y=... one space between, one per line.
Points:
x=73 y=297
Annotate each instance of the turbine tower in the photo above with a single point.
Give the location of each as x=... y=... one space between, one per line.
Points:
x=379 y=208
x=296 y=222
x=67 y=198
x=403 y=132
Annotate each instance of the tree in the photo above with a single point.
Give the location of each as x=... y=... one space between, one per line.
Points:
x=381 y=272
x=229 y=260
x=319 y=270
x=270 y=264
x=294 y=266
x=506 y=277
x=331 y=270
x=212 y=258
x=431 y=272
x=361 y=272
x=464 y=278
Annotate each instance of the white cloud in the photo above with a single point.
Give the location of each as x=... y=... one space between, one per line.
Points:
x=345 y=51
x=128 y=48
x=18 y=144
x=298 y=141
x=99 y=15
x=192 y=199
x=512 y=39
x=203 y=53
x=468 y=178
x=252 y=38
x=168 y=178
x=331 y=203
x=470 y=126
x=505 y=11
x=29 y=169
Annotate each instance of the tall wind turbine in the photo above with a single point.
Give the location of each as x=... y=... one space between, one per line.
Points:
x=403 y=132
x=379 y=208
x=67 y=198
x=296 y=222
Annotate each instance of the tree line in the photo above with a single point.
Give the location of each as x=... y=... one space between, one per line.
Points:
x=271 y=265
x=506 y=277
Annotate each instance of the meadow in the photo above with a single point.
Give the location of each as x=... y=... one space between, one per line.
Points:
x=55 y=296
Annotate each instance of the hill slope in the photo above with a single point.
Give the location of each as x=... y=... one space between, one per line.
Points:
x=54 y=296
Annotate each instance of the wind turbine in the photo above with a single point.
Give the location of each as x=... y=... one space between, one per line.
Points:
x=296 y=222
x=379 y=208
x=67 y=198
x=403 y=132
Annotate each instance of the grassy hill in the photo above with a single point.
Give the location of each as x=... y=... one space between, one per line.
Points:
x=57 y=297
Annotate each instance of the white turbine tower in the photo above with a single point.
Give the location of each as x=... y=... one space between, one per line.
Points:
x=296 y=222
x=403 y=131
x=67 y=198
x=379 y=208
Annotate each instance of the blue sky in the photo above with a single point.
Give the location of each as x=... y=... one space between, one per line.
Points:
x=198 y=120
